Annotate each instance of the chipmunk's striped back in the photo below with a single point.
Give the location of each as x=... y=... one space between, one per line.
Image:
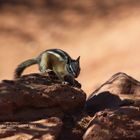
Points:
x=72 y=65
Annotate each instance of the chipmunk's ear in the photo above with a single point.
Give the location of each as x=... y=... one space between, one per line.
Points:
x=78 y=59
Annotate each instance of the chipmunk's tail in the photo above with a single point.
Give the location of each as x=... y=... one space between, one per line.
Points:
x=21 y=67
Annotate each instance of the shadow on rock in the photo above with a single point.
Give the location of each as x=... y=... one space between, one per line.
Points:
x=102 y=101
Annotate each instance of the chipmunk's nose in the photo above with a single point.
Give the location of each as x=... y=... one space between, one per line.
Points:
x=76 y=75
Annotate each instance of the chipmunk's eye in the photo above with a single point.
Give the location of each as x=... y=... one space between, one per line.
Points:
x=73 y=68
x=77 y=69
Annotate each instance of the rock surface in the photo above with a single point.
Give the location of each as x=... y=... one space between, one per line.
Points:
x=119 y=100
x=119 y=90
x=40 y=107
x=36 y=96
x=47 y=129
x=119 y=124
x=120 y=84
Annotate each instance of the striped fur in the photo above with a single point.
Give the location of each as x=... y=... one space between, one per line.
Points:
x=72 y=66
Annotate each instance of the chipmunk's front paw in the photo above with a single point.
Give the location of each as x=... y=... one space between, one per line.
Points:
x=77 y=84
x=71 y=81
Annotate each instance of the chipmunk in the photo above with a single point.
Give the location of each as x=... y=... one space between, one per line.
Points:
x=53 y=59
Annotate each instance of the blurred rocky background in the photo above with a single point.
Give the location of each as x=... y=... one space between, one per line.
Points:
x=105 y=33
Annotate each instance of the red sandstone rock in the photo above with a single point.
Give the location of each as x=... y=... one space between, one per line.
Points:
x=119 y=124
x=119 y=90
x=36 y=96
x=46 y=129
x=119 y=98
x=120 y=84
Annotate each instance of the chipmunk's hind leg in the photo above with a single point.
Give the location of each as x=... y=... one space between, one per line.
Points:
x=43 y=66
